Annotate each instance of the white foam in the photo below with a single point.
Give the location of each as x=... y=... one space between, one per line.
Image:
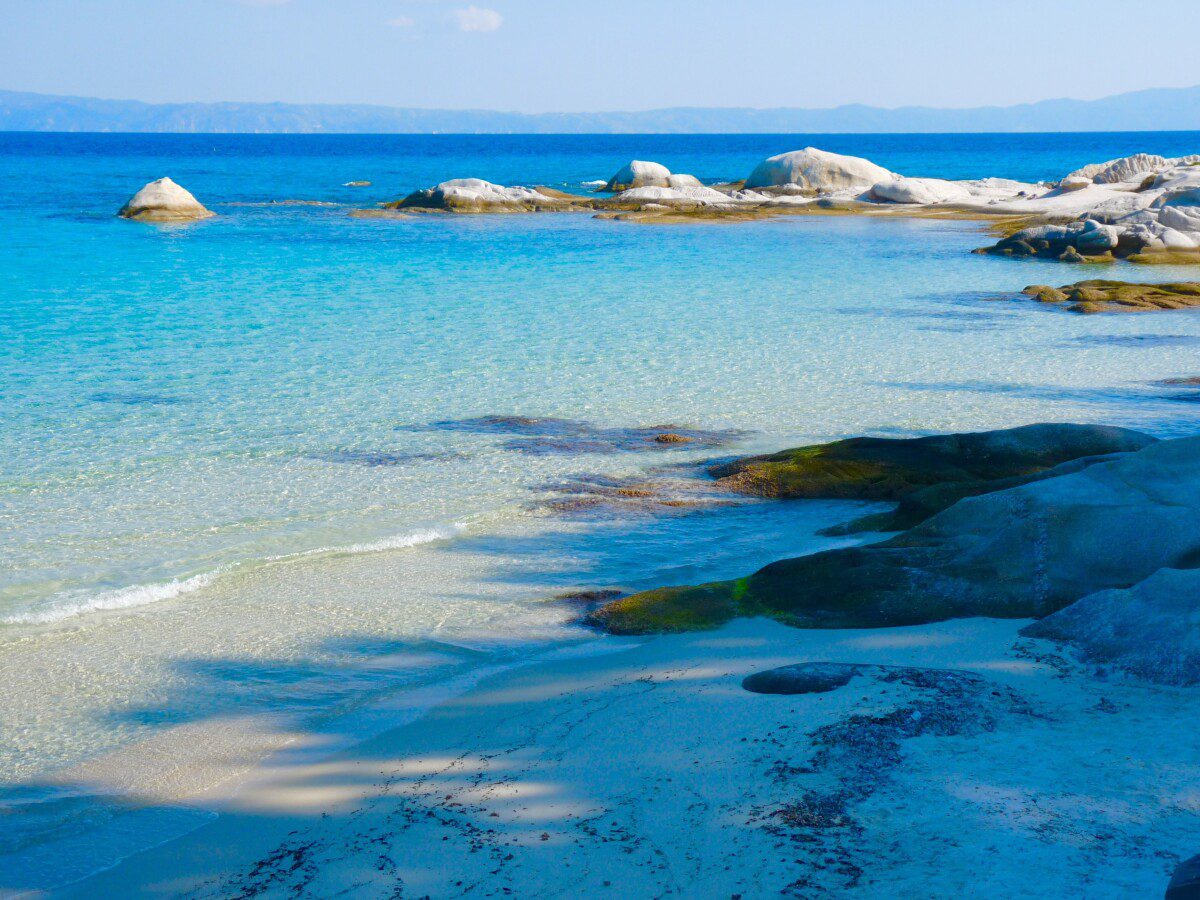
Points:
x=122 y=598
x=395 y=542
x=68 y=606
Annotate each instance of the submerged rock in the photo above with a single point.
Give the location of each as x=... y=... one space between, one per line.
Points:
x=817 y=171
x=541 y=435
x=164 y=201
x=1185 y=883
x=640 y=173
x=1097 y=296
x=1025 y=551
x=1151 y=630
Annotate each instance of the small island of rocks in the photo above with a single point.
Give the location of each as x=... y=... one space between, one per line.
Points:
x=1142 y=207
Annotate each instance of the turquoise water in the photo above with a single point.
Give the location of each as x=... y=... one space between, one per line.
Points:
x=222 y=491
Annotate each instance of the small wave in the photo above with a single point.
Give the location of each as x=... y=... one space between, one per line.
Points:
x=144 y=594
x=395 y=542
x=122 y=598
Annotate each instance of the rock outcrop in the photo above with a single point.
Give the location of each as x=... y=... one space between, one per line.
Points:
x=817 y=171
x=1129 y=169
x=868 y=468
x=474 y=195
x=1066 y=242
x=1151 y=630
x=1099 y=296
x=1143 y=206
x=164 y=201
x=639 y=173
x=1024 y=551
x=682 y=197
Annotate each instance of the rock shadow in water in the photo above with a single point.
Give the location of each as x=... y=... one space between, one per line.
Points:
x=1148 y=341
x=592 y=495
x=549 y=435
x=385 y=458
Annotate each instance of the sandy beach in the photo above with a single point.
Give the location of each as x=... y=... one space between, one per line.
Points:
x=649 y=771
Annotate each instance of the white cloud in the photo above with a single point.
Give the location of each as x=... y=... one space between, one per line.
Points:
x=401 y=22
x=474 y=18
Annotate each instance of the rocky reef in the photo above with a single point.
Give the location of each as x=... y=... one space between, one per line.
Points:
x=1099 y=296
x=474 y=195
x=164 y=201
x=1092 y=524
x=1141 y=207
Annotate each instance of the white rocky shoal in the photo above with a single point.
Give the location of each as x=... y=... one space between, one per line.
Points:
x=1138 y=203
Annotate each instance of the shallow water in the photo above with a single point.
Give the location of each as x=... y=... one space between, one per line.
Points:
x=220 y=491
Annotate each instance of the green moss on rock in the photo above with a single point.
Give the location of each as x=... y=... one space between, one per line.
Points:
x=891 y=469
x=1099 y=295
x=673 y=609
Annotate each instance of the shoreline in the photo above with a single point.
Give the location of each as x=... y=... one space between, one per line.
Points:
x=526 y=775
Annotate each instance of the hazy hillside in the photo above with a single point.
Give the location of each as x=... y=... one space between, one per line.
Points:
x=1163 y=109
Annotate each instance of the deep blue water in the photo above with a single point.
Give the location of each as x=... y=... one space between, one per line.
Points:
x=95 y=169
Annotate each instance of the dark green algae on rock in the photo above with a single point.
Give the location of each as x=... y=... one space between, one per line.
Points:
x=961 y=557
x=925 y=475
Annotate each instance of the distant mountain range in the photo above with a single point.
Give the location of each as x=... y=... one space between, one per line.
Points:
x=1161 y=109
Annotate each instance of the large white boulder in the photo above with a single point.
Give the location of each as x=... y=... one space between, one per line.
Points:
x=164 y=201
x=920 y=190
x=818 y=171
x=640 y=173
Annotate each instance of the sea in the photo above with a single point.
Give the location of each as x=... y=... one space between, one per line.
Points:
x=288 y=468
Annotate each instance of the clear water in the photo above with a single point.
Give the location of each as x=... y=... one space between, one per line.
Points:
x=219 y=496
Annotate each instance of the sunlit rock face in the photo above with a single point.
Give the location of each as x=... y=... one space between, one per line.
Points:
x=818 y=171
x=164 y=201
x=640 y=173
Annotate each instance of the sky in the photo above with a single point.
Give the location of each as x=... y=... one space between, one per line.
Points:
x=592 y=55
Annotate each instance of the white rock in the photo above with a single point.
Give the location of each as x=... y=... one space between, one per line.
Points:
x=683 y=181
x=817 y=170
x=639 y=173
x=1180 y=210
x=920 y=190
x=682 y=196
x=1126 y=169
x=477 y=195
x=1074 y=183
x=164 y=201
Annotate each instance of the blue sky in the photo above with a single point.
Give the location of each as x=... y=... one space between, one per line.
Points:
x=541 y=55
